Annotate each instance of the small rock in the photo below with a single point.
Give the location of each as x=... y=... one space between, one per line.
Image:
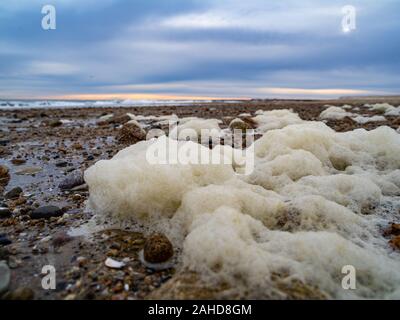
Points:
x=72 y=180
x=5 y=213
x=4 y=142
x=131 y=133
x=46 y=212
x=61 y=164
x=5 y=277
x=61 y=239
x=114 y=264
x=22 y=293
x=17 y=161
x=238 y=124
x=122 y=119
x=395 y=242
x=4 y=241
x=13 y=193
x=28 y=171
x=4 y=175
x=394 y=229
x=77 y=146
x=54 y=123
x=157 y=249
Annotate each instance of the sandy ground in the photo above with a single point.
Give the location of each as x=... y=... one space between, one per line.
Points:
x=40 y=152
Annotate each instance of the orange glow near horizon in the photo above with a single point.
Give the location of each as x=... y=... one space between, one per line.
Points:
x=137 y=96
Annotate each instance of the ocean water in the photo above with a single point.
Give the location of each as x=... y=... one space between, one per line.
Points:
x=35 y=104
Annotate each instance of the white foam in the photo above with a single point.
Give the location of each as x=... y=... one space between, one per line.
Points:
x=335 y=113
x=363 y=119
x=275 y=119
x=301 y=216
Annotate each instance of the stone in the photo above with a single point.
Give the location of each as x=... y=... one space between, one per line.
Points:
x=4 y=241
x=238 y=124
x=72 y=180
x=122 y=119
x=4 y=142
x=61 y=164
x=5 y=213
x=46 y=212
x=394 y=229
x=131 y=133
x=13 y=193
x=18 y=161
x=157 y=249
x=4 y=175
x=28 y=171
x=395 y=243
x=5 y=277
x=54 y=123
x=22 y=293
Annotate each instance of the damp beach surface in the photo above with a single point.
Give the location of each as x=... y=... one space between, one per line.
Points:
x=323 y=195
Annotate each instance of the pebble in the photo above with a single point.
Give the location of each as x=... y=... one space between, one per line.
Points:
x=13 y=193
x=22 y=293
x=114 y=264
x=157 y=249
x=5 y=277
x=5 y=213
x=72 y=180
x=46 y=212
x=131 y=133
x=61 y=164
x=17 y=161
x=4 y=175
x=4 y=241
x=28 y=171
x=4 y=142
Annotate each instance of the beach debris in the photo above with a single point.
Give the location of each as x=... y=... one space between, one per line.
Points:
x=114 y=264
x=131 y=133
x=46 y=212
x=157 y=249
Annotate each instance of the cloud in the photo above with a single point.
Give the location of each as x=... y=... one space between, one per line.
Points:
x=208 y=47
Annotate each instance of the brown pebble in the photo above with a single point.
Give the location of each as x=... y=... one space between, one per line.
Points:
x=157 y=249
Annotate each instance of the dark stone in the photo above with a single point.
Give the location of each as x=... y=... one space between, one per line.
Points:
x=5 y=213
x=13 y=193
x=4 y=241
x=157 y=249
x=61 y=164
x=46 y=212
x=4 y=142
x=72 y=180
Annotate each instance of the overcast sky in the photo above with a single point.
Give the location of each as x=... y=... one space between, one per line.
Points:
x=198 y=48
